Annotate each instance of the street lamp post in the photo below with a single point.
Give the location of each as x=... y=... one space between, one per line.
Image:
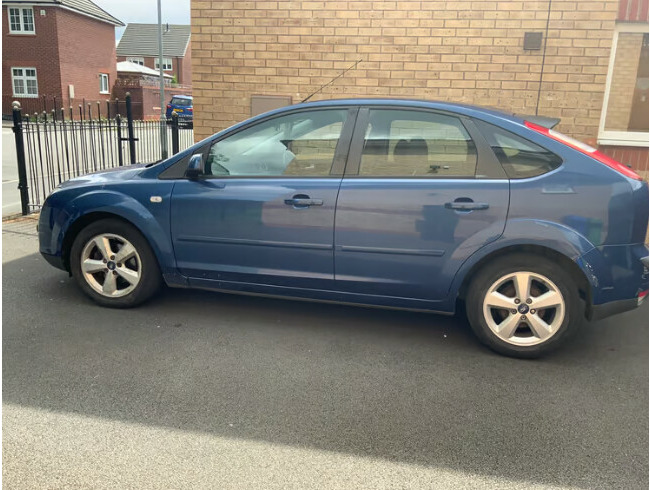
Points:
x=163 y=121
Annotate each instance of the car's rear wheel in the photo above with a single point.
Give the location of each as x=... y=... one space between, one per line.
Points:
x=114 y=265
x=523 y=305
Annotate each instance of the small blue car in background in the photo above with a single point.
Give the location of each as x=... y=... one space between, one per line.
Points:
x=182 y=106
x=380 y=202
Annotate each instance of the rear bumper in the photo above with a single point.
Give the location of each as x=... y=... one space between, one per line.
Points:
x=621 y=273
x=598 y=312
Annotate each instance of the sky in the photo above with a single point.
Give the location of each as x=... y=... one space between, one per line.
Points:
x=146 y=11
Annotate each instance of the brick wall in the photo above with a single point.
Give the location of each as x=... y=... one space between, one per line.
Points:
x=635 y=157
x=145 y=100
x=37 y=51
x=465 y=51
x=86 y=49
x=185 y=67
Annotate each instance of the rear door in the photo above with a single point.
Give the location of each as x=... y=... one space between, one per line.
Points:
x=422 y=192
x=264 y=211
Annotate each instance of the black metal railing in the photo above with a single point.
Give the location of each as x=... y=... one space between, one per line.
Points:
x=54 y=146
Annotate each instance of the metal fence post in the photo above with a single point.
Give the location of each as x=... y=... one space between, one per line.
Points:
x=118 y=122
x=175 y=142
x=129 y=125
x=20 y=154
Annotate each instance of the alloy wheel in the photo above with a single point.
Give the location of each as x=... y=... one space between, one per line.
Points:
x=524 y=308
x=111 y=265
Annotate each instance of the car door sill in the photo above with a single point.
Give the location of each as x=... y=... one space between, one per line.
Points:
x=306 y=294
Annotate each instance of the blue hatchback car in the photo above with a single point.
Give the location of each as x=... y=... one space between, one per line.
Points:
x=183 y=107
x=390 y=203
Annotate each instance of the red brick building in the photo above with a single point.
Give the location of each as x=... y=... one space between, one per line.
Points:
x=139 y=44
x=56 y=48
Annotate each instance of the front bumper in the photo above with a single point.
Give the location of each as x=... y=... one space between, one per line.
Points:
x=56 y=261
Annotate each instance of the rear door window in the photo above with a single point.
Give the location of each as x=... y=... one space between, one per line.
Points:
x=417 y=144
x=519 y=157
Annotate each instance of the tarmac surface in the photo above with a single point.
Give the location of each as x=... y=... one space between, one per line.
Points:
x=207 y=390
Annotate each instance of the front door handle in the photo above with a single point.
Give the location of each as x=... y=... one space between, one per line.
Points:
x=466 y=205
x=302 y=201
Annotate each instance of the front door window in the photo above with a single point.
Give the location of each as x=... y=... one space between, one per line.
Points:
x=297 y=145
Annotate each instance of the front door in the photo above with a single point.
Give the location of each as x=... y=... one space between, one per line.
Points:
x=413 y=206
x=264 y=211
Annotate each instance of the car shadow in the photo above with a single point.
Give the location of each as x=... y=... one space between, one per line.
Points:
x=403 y=386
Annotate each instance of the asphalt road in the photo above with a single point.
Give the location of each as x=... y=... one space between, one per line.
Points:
x=207 y=390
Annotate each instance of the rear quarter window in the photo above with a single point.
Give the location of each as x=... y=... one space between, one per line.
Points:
x=519 y=157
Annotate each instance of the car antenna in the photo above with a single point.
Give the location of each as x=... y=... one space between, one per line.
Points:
x=332 y=81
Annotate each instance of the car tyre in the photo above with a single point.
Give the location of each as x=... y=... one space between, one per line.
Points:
x=114 y=265
x=523 y=305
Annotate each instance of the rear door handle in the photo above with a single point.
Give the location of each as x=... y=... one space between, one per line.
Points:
x=466 y=206
x=303 y=202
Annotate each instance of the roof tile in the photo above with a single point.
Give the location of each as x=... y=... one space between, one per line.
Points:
x=142 y=40
x=83 y=6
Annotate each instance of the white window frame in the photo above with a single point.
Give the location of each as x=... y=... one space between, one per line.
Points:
x=103 y=76
x=21 y=14
x=138 y=60
x=619 y=138
x=24 y=77
x=168 y=64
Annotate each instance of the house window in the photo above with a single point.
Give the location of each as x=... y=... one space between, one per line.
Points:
x=167 y=64
x=103 y=83
x=136 y=59
x=624 y=120
x=24 y=82
x=21 y=20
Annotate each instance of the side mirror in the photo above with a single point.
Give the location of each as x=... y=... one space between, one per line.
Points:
x=195 y=167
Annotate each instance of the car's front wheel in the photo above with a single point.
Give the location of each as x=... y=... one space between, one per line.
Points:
x=114 y=265
x=523 y=305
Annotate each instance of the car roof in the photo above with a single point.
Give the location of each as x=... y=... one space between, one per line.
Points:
x=490 y=115
x=181 y=97
x=466 y=109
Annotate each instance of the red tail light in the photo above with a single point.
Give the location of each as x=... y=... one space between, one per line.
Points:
x=584 y=148
x=169 y=106
x=190 y=109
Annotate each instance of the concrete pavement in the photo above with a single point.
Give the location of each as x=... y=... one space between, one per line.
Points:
x=205 y=390
x=10 y=193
